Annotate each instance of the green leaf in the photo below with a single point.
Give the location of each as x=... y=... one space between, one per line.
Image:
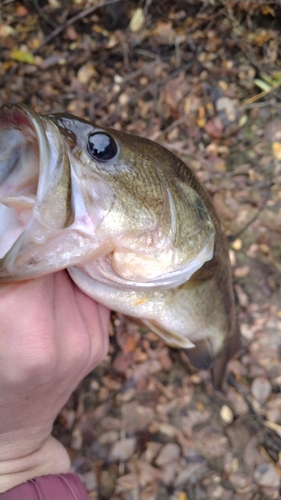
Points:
x=267 y=79
x=262 y=84
x=22 y=56
x=277 y=77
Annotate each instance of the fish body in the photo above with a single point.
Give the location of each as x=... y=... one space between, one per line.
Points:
x=129 y=221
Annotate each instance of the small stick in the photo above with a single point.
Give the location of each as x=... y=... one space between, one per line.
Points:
x=234 y=237
x=72 y=20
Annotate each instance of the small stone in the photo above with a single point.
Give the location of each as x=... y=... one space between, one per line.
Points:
x=266 y=476
x=226 y=414
x=123 y=99
x=85 y=73
x=241 y=271
x=261 y=389
x=95 y=386
x=137 y=20
x=237 y=245
x=76 y=439
x=89 y=480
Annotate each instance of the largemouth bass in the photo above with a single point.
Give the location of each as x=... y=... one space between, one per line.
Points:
x=129 y=221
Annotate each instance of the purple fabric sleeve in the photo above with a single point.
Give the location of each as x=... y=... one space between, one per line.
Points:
x=51 y=487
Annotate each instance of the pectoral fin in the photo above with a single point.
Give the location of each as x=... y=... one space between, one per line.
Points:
x=201 y=356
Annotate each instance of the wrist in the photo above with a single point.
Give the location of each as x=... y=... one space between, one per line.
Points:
x=49 y=458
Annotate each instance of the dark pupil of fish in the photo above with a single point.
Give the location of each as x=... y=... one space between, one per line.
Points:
x=101 y=147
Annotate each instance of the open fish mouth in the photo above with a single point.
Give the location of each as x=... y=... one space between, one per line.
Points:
x=61 y=208
x=35 y=195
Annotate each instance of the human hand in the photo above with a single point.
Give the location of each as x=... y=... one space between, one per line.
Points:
x=51 y=337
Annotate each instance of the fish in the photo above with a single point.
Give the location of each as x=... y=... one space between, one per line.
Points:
x=130 y=222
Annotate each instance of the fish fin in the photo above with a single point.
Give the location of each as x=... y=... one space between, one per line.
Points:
x=170 y=337
x=229 y=348
x=201 y=356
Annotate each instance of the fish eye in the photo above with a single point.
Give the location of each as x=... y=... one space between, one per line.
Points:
x=101 y=146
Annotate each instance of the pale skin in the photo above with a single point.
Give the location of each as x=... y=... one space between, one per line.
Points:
x=51 y=336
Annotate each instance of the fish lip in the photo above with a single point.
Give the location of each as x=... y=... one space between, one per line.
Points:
x=48 y=172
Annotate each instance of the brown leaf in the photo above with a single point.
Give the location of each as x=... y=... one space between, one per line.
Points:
x=214 y=128
x=122 y=450
x=168 y=453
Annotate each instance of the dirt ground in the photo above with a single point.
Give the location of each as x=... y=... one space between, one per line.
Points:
x=203 y=78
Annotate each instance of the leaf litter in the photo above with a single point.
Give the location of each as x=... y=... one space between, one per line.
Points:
x=203 y=79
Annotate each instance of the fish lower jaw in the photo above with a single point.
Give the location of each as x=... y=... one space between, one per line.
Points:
x=129 y=270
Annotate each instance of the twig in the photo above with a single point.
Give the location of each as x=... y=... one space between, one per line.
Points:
x=42 y=14
x=72 y=20
x=262 y=104
x=174 y=124
x=9 y=74
x=153 y=109
x=234 y=237
x=162 y=81
x=126 y=79
x=263 y=93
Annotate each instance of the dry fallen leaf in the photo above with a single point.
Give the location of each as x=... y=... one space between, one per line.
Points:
x=85 y=73
x=168 y=453
x=122 y=450
x=22 y=56
x=261 y=389
x=137 y=20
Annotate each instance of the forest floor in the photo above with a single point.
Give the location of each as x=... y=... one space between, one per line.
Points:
x=203 y=78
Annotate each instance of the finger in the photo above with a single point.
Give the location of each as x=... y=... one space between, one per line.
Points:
x=86 y=335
